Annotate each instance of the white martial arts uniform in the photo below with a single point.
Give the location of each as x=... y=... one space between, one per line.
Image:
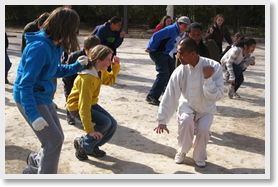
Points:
x=195 y=98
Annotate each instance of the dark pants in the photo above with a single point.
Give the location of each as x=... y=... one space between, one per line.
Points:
x=68 y=84
x=8 y=65
x=220 y=48
x=238 y=75
x=164 y=65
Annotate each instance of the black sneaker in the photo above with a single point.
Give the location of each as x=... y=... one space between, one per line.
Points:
x=79 y=153
x=71 y=121
x=152 y=100
x=97 y=153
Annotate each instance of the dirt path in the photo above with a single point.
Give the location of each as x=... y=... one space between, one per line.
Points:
x=237 y=145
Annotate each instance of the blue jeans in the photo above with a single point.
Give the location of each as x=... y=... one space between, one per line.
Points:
x=104 y=123
x=164 y=65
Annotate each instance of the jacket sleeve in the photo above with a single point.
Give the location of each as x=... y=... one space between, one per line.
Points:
x=208 y=35
x=170 y=100
x=30 y=72
x=213 y=86
x=67 y=70
x=227 y=36
x=86 y=86
x=118 y=41
x=101 y=33
x=157 y=38
x=109 y=78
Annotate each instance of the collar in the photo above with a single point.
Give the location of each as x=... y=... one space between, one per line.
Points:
x=91 y=71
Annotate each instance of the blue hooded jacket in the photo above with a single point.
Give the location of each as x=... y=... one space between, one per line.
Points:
x=39 y=64
x=164 y=40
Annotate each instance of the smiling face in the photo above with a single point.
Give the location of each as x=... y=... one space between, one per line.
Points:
x=168 y=22
x=182 y=27
x=104 y=64
x=252 y=48
x=196 y=34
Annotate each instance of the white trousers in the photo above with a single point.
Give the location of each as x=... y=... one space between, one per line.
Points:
x=188 y=126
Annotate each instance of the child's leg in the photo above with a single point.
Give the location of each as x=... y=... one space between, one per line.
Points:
x=51 y=138
x=238 y=75
x=104 y=123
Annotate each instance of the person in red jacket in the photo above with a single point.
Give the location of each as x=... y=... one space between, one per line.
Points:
x=165 y=21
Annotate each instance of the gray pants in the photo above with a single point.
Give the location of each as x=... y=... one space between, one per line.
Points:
x=51 y=138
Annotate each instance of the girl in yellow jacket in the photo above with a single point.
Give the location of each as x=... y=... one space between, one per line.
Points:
x=98 y=124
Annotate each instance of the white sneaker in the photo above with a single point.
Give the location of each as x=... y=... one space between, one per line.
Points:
x=201 y=164
x=179 y=157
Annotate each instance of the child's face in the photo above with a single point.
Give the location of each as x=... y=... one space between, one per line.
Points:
x=252 y=48
x=116 y=26
x=104 y=64
x=220 y=21
x=168 y=21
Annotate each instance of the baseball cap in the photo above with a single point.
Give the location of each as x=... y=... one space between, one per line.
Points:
x=185 y=20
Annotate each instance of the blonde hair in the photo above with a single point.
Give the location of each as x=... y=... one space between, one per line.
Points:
x=99 y=52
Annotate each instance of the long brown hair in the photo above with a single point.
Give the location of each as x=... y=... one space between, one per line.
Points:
x=63 y=23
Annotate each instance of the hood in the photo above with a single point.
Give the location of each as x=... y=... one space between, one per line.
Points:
x=91 y=71
x=38 y=36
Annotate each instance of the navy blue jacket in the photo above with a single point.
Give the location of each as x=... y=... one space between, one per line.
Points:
x=108 y=37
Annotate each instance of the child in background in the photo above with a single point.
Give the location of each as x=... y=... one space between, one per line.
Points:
x=164 y=22
x=89 y=42
x=239 y=37
x=98 y=124
x=236 y=60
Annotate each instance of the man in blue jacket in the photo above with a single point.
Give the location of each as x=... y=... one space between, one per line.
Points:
x=160 y=44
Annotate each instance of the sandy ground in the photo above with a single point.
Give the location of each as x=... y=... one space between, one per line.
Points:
x=237 y=145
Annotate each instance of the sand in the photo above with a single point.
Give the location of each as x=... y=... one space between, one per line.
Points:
x=237 y=145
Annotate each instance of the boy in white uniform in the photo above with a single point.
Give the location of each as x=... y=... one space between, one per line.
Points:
x=193 y=89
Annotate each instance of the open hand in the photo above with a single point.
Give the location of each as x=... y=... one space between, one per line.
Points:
x=160 y=129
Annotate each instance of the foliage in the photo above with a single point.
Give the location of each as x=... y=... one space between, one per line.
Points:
x=237 y=17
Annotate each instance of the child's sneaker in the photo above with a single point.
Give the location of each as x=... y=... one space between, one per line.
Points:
x=97 y=153
x=180 y=157
x=80 y=152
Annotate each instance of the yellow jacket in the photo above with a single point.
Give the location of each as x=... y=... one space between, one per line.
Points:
x=85 y=92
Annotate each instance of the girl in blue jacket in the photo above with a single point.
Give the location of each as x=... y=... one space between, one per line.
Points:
x=33 y=87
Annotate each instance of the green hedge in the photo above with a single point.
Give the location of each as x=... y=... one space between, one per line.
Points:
x=236 y=16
